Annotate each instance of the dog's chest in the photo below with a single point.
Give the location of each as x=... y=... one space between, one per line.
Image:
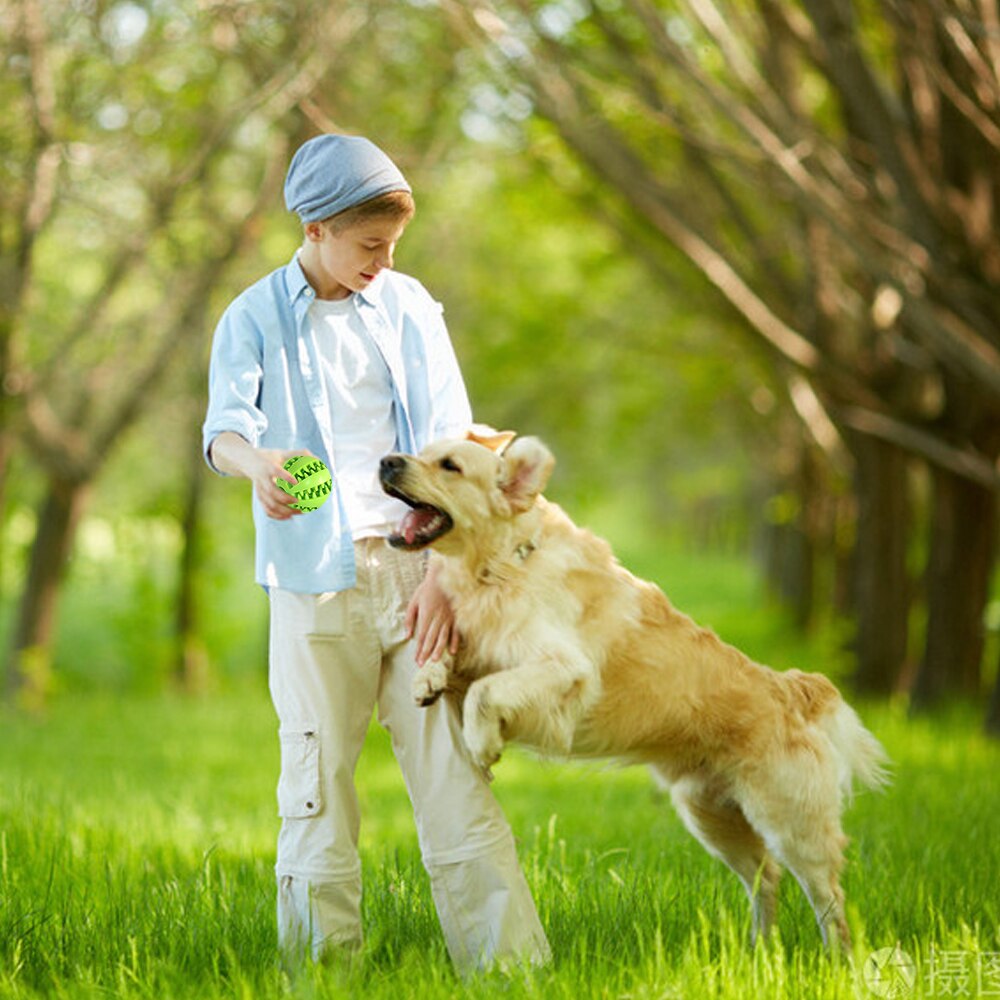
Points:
x=502 y=630
x=498 y=642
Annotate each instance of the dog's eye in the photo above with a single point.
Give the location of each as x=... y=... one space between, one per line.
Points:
x=449 y=466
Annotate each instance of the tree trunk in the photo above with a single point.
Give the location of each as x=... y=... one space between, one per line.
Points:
x=963 y=538
x=801 y=536
x=790 y=564
x=5 y=454
x=993 y=712
x=190 y=668
x=28 y=670
x=881 y=583
x=7 y=387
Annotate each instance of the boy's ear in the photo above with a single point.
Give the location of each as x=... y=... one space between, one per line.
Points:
x=313 y=232
x=527 y=465
x=494 y=440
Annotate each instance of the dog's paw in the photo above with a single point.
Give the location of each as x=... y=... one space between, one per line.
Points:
x=429 y=683
x=484 y=747
x=481 y=730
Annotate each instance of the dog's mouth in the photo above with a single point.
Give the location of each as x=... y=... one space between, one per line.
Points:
x=424 y=523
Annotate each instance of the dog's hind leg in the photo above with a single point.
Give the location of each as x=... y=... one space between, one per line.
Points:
x=723 y=830
x=799 y=819
x=815 y=857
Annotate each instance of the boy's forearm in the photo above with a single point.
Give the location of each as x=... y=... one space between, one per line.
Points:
x=232 y=454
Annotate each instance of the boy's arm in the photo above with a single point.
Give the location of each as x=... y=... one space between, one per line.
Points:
x=452 y=413
x=234 y=421
x=234 y=383
x=430 y=620
x=235 y=456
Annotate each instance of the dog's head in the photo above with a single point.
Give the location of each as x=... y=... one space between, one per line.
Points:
x=457 y=489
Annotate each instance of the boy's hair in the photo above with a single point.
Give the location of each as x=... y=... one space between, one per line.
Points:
x=397 y=205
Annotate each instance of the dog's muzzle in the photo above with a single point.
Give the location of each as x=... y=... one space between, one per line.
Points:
x=424 y=523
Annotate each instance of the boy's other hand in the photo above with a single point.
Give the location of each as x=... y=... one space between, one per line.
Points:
x=431 y=621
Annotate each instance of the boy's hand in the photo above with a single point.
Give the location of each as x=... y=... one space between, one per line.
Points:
x=431 y=621
x=264 y=467
x=235 y=456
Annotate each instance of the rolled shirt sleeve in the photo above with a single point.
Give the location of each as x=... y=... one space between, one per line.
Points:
x=234 y=380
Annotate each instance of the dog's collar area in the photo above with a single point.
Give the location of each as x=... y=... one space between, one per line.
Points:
x=522 y=551
x=525 y=549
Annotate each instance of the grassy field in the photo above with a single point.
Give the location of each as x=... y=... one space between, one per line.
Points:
x=137 y=838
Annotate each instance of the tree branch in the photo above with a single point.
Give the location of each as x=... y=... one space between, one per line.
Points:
x=965 y=463
x=276 y=96
x=881 y=122
x=46 y=155
x=611 y=158
x=186 y=323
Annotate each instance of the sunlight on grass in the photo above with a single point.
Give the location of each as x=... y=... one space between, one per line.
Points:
x=136 y=859
x=137 y=847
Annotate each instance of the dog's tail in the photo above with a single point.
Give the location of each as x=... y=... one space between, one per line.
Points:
x=859 y=755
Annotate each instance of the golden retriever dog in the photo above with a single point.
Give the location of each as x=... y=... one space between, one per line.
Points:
x=566 y=651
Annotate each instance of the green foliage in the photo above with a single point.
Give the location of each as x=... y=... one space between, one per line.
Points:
x=117 y=621
x=144 y=867
x=562 y=332
x=559 y=327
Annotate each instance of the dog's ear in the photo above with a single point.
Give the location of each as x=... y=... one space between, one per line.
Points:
x=489 y=438
x=527 y=464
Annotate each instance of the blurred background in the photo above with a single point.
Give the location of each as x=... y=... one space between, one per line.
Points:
x=737 y=263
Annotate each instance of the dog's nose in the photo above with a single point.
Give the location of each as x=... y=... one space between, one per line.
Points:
x=391 y=464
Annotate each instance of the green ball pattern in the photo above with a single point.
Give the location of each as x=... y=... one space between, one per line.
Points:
x=313 y=483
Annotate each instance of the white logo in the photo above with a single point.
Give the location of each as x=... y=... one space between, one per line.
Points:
x=890 y=972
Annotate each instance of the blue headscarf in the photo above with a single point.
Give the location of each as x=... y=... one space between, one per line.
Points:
x=331 y=173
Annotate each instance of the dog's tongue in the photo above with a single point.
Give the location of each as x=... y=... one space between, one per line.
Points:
x=414 y=522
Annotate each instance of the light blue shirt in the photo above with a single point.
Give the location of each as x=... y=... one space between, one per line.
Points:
x=266 y=384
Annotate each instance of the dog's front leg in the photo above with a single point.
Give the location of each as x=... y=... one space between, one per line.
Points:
x=538 y=704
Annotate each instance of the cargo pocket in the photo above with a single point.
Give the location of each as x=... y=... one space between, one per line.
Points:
x=298 y=785
x=329 y=616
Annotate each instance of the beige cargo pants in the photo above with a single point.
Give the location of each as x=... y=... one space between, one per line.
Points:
x=334 y=657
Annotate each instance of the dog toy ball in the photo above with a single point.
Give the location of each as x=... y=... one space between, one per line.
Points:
x=313 y=483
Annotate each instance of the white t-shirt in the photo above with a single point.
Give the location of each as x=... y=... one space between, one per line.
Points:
x=364 y=427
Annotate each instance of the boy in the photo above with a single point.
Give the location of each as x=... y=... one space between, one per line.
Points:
x=338 y=356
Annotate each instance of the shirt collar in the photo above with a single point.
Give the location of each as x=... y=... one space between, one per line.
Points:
x=295 y=280
x=297 y=284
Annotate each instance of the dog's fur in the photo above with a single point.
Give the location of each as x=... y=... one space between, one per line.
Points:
x=566 y=651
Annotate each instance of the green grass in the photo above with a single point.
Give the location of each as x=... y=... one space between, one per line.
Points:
x=136 y=852
x=137 y=844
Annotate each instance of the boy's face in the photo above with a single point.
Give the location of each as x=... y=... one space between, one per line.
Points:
x=349 y=260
